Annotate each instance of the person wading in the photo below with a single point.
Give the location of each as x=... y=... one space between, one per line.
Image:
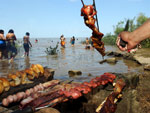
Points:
x=26 y=43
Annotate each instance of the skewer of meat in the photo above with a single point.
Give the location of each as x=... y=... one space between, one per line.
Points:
x=21 y=95
x=66 y=90
x=109 y=104
x=88 y=12
x=49 y=93
x=45 y=105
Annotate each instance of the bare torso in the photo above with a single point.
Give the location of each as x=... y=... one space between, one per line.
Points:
x=11 y=37
x=26 y=39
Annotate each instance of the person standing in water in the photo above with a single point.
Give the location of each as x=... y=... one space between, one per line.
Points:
x=11 y=48
x=26 y=44
x=62 y=39
x=3 y=49
x=73 y=41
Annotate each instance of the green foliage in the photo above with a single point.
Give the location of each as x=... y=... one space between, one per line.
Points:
x=146 y=43
x=109 y=39
x=132 y=26
x=119 y=27
x=52 y=51
x=141 y=19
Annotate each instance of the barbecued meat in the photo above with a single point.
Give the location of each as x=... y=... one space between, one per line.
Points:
x=56 y=91
x=88 y=12
x=109 y=104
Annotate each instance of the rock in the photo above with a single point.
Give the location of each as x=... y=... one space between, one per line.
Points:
x=115 y=54
x=89 y=74
x=74 y=73
x=129 y=56
x=142 y=60
x=147 y=67
x=49 y=73
x=132 y=80
x=48 y=110
x=111 y=60
x=101 y=62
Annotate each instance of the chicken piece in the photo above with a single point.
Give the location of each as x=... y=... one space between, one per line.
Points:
x=1 y=87
x=41 y=68
x=35 y=69
x=5 y=83
x=31 y=74
x=18 y=73
x=24 y=78
x=14 y=80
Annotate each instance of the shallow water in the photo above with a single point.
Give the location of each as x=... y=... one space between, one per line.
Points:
x=70 y=58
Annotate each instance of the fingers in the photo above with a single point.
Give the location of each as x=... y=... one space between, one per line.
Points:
x=119 y=46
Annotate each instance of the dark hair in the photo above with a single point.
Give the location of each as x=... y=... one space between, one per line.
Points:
x=27 y=33
x=1 y=31
x=11 y=31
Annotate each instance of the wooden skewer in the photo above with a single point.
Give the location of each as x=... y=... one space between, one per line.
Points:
x=82 y=2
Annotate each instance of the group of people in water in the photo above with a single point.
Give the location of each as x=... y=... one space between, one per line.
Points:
x=63 y=41
x=8 y=47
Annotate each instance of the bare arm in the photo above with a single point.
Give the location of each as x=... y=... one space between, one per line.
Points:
x=142 y=32
x=2 y=37
x=30 y=43
x=15 y=37
x=135 y=37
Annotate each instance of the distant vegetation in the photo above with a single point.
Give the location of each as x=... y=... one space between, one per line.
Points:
x=110 y=39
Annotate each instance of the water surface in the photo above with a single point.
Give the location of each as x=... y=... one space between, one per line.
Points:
x=70 y=58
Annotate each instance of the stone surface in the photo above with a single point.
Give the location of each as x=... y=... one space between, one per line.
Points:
x=74 y=73
x=139 y=56
x=111 y=60
x=147 y=67
x=49 y=73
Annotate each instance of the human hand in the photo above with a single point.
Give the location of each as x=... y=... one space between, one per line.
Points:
x=125 y=36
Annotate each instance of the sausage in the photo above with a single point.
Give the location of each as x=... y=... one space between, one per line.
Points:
x=20 y=96
x=10 y=99
x=5 y=102
x=35 y=89
x=15 y=98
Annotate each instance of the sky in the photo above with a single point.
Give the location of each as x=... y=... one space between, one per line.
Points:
x=52 y=18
